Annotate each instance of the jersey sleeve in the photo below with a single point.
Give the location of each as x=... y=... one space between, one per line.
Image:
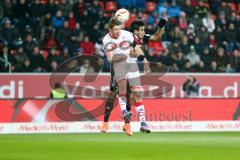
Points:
x=131 y=37
x=104 y=41
x=128 y=35
x=106 y=46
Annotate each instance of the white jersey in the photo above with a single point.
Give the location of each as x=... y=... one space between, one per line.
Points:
x=121 y=45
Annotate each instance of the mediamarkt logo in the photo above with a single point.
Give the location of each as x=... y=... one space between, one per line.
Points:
x=12 y=90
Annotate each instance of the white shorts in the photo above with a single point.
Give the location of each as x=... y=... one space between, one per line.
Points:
x=127 y=71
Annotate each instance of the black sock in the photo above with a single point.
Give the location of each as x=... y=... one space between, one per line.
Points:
x=109 y=105
x=128 y=105
x=128 y=96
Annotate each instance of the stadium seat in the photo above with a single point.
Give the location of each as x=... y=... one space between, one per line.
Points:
x=150 y=6
x=111 y=6
x=239 y=8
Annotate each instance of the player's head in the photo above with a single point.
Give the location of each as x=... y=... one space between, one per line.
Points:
x=138 y=28
x=114 y=27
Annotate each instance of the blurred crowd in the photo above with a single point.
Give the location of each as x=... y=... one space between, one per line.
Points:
x=39 y=35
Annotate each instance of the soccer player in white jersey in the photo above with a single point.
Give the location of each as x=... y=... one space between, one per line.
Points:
x=138 y=30
x=117 y=45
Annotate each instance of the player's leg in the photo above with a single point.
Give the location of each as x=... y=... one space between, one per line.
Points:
x=120 y=75
x=135 y=83
x=109 y=105
x=110 y=100
x=108 y=109
x=128 y=96
x=140 y=109
x=123 y=100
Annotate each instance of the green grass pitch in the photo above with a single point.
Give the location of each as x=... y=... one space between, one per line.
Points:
x=117 y=146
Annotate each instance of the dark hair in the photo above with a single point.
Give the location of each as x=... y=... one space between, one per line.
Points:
x=114 y=22
x=135 y=25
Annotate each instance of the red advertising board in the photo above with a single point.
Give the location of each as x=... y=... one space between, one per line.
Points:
x=92 y=110
x=38 y=86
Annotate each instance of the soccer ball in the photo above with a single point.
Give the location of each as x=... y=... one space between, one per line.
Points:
x=122 y=15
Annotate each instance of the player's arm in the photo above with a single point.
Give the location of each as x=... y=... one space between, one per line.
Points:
x=158 y=34
x=137 y=52
x=141 y=57
x=108 y=49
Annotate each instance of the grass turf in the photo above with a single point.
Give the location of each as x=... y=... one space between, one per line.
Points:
x=117 y=146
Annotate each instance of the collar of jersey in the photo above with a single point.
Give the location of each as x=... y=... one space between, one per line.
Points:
x=110 y=34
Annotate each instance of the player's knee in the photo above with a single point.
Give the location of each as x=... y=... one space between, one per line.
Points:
x=137 y=93
x=137 y=96
x=128 y=93
x=122 y=90
x=112 y=96
x=122 y=85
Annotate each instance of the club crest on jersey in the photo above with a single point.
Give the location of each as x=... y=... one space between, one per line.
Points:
x=124 y=44
x=112 y=46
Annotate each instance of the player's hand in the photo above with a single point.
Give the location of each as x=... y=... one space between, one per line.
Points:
x=119 y=57
x=146 y=66
x=162 y=23
x=133 y=53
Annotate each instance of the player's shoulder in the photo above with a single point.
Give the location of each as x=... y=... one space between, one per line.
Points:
x=106 y=38
x=126 y=32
